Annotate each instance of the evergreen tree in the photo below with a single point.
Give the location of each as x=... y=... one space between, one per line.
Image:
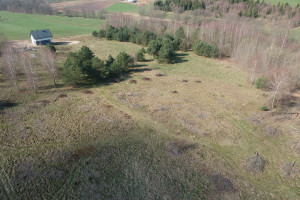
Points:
x=167 y=52
x=154 y=47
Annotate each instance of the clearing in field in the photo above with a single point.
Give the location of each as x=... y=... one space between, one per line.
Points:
x=195 y=143
x=18 y=26
x=122 y=7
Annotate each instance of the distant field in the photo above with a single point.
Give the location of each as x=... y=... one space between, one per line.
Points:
x=80 y=5
x=291 y=2
x=17 y=26
x=122 y=7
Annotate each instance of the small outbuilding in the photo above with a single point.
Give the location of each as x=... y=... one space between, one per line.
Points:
x=41 y=37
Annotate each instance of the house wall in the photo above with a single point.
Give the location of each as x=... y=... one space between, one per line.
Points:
x=37 y=41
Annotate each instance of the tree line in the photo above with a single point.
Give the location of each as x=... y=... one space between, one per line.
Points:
x=26 y=6
x=161 y=47
x=248 y=8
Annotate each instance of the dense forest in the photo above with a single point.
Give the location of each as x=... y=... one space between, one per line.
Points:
x=248 y=8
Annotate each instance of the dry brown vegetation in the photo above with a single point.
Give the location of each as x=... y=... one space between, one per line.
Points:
x=82 y=6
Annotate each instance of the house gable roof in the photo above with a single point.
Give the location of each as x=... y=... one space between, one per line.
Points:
x=41 y=34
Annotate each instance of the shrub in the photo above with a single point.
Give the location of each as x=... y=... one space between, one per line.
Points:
x=72 y=71
x=179 y=37
x=121 y=64
x=167 y=52
x=110 y=33
x=261 y=83
x=146 y=37
x=99 y=69
x=51 y=47
x=205 y=49
x=95 y=33
x=110 y=60
x=140 y=55
x=102 y=34
x=154 y=47
x=264 y=108
x=121 y=34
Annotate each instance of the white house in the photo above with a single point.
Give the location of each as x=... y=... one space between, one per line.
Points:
x=41 y=37
x=131 y=1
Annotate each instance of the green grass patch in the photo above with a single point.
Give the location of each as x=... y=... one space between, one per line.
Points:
x=122 y=7
x=291 y=2
x=17 y=26
x=295 y=34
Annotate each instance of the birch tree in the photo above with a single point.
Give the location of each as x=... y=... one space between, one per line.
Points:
x=10 y=63
x=48 y=60
x=28 y=63
x=278 y=81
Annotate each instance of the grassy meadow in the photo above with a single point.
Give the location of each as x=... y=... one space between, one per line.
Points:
x=291 y=2
x=122 y=7
x=143 y=141
x=17 y=26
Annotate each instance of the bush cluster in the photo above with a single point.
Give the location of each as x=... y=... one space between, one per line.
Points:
x=140 y=55
x=163 y=48
x=204 y=49
x=160 y=47
x=83 y=67
x=261 y=83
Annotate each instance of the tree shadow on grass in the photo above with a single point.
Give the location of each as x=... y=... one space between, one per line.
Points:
x=7 y=104
x=140 y=68
x=180 y=57
x=60 y=43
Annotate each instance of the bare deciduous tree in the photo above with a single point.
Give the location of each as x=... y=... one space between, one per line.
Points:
x=28 y=63
x=278 y=81
x=10 y=62
x=48 y=60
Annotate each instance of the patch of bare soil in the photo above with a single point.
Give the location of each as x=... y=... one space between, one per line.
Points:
x=289 y=169
x=43 y=103
x=87 y=92
x=255 y=164
x=222 y=184
x=132 y=81
x=117 y=80
x=272 y=131
x=159 y=74
x=62 y=96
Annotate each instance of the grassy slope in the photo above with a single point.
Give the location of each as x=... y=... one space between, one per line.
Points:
x=18 y=26
x=291 y=2
x=113 y=144
x=122 y=7
x=295 y=34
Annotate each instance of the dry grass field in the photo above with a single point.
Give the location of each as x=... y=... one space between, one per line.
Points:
x=80 y=5
x=184 y=135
